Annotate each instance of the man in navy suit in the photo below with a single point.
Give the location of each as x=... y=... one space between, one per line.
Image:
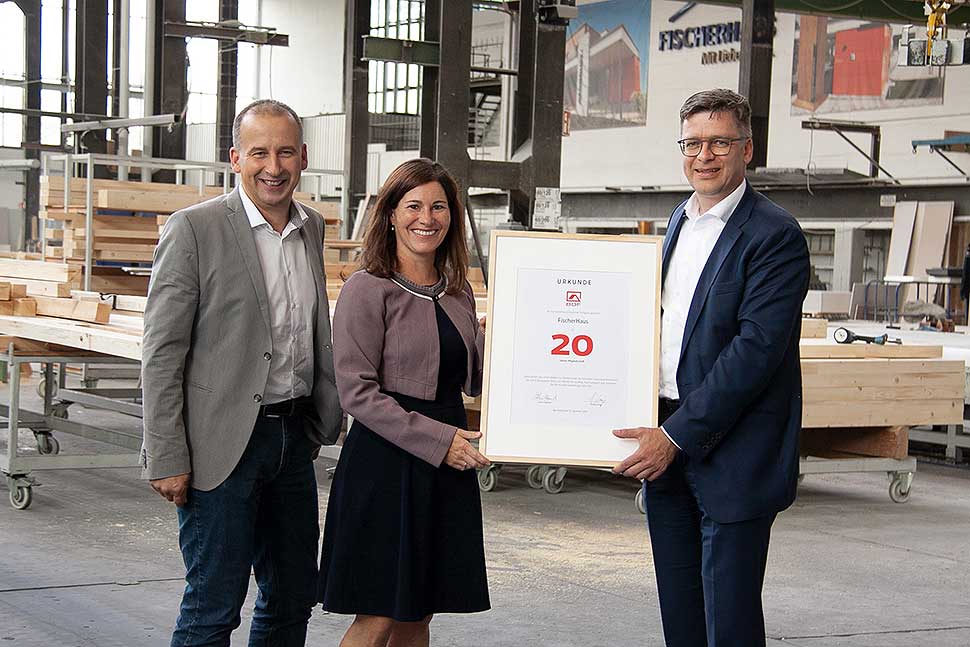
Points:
x=724 y=461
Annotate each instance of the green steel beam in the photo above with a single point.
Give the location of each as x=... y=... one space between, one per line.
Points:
x=418 y=52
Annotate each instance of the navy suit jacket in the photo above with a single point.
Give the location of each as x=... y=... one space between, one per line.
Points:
x=739 y=376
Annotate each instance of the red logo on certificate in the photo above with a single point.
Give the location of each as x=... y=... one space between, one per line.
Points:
x=574 y=298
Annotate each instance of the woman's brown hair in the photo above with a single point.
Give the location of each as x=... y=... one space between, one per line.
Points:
x=379 y=254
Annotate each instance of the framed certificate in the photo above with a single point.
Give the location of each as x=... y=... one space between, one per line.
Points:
x=572 y=347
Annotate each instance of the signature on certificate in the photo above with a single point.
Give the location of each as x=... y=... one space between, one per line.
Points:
x=541 y=397
x=596 y=400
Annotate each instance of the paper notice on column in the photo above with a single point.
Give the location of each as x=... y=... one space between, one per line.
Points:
x=571 y=348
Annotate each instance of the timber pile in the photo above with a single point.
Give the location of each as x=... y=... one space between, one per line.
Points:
x=41 y=279
x=861 y=399
x=126 y=223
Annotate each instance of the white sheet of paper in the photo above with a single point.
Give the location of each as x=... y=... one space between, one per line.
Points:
x=571 y=348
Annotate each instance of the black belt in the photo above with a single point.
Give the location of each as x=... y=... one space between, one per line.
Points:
x=667 y=408
x=293 y=407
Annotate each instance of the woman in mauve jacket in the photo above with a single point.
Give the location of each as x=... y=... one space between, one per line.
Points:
x=403 y=534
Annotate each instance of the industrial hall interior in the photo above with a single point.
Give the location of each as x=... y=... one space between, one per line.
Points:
x=412 y=323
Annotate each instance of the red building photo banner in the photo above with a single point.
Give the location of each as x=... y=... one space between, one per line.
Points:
x=842 y=66
x=606 y=64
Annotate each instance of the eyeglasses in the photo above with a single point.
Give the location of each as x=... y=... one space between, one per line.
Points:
x=718 y=146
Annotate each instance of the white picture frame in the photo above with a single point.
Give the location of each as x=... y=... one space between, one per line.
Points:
x=572 y=348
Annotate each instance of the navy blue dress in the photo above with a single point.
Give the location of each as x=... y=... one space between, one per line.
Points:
x=402 y=538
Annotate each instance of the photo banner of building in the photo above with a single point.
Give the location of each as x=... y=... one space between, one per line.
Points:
x=606 y=64
x=842 y=66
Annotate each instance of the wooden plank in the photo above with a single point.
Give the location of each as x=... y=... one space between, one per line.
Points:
x=837 y=413
x=127 y=303
x=25 y=307
x=888 y=377
x=74 y=335
x=881 y=393
x=34 y=348
x=882 y=442
x=904 y=219
x=4 y=291
x=40 y=288
x=150 y=235
x=814 y=328
x=56 y=183
x=868 y=351
x=152 y=201
x=115 y=281
x=38 y=270
x=930 y=233
x=71 y=309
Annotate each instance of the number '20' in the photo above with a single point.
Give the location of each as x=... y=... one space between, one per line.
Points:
x=582 y=345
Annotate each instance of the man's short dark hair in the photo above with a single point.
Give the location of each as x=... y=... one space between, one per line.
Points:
x=264 y=107
x=720 y=100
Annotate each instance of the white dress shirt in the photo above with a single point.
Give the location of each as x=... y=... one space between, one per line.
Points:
x=292 y=295
x=698 y=235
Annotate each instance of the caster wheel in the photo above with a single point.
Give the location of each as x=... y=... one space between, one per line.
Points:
x=47 y=444
x=42 y=385
x=898 y=492
x=553 y=480
x=641 y=504
x=801 y=477
x=60 y=411
x=487 y=479
x=21 y=496
x=534 y=476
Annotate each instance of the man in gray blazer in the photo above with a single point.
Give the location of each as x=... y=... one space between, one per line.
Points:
x=239 y=392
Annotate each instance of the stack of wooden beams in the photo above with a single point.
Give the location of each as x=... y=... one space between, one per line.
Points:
x=14 y=301
x=860 y=399
x=126 y=223
x=119 y=234
x=40 y=278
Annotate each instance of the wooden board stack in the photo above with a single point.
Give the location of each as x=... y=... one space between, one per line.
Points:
x=14 y=300
x=120 y=234
x=126 y=223
x=40 y=278
x=860 y=399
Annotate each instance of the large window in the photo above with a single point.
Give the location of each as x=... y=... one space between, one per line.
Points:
x=203 y=55
x=12 y=93
x=395 y=88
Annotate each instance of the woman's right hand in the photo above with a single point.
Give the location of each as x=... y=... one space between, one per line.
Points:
x=461 y=455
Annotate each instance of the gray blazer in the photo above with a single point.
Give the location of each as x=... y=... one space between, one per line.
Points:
x=207 y=344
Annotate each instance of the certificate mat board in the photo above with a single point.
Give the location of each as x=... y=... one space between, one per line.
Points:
x=572 y=348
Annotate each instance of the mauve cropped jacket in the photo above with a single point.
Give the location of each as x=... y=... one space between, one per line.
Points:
x=385 y=340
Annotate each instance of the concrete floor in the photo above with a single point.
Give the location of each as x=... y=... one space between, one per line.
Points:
x=94 y=562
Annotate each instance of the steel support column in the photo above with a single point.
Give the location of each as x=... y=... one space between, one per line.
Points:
x=429 y=83
x=228 y=73
x=546 y=166
x=32 y=72
x=453 y=88
x=520 y=202
x=357 y=128
x=757 y=37
x=91 y=68
x=171 y=85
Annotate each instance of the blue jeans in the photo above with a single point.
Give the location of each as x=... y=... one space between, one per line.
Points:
x=263 y=518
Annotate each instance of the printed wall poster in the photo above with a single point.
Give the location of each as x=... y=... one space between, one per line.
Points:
x=843 y=66
x=607 y=48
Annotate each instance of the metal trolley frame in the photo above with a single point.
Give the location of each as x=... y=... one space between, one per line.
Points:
x=15 y=467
